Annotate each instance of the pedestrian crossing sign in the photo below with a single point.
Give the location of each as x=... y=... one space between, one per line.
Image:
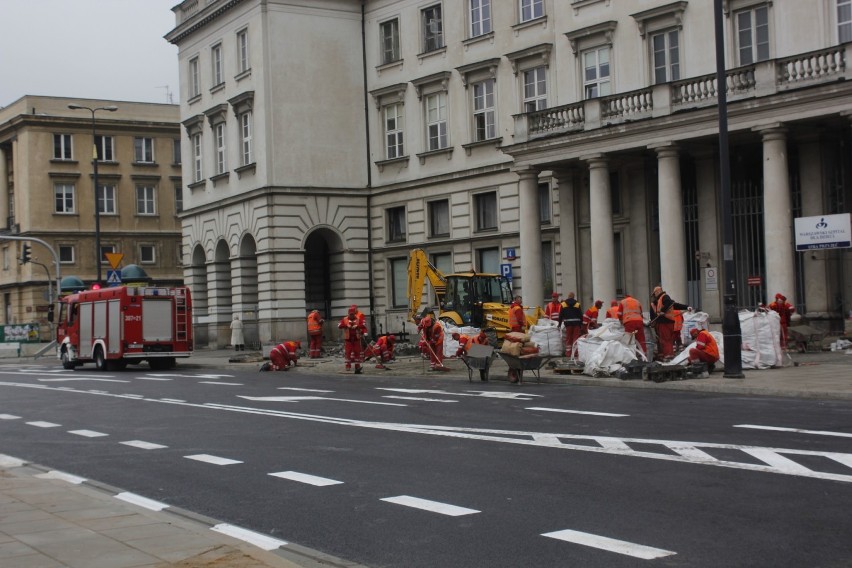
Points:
x=113 y=277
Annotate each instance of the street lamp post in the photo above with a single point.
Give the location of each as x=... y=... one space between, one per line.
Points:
x=110 y=108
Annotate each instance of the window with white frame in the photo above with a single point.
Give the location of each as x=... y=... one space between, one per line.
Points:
x=480 y=17
x=147 y=254
x=176 y=157
x=535 y=89
x=844 y=21
x=197 y=171
x=531 y=9
x=243 y=51
x=752 y=27
x=396 y=224
x=145 y=200
x=66 y=254
x=64 y=198
x=143 y=149
x=216 y=62
x=596 y=74
x=433 y=28
x=666 y=56
x=178 y=198
x=485 y=209
x=390 y=41
x=484 y=113
x=105 y=147
x=439 y=218
x=436 y=121
x=62 y=147
x=246 y=154
x=399 y=282
x=544 y=203
x=194 y=78
x=221 y=162
x=394 y=130
x=106 y=199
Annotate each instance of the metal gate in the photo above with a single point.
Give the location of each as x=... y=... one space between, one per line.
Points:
x=749 y=255
x=690 y=228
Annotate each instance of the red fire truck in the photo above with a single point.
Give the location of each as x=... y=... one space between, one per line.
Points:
x=114 y=327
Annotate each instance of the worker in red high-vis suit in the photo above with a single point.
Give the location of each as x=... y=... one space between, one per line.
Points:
x=353 y=332
x=517 y=317
x=630 y=315
x=551 y=310
x=664 y=312
x=785 y=311
x=315 y=322
x=283 y=355
x=590 y=318
x=706 y=349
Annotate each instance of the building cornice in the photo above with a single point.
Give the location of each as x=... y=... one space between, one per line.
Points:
x=198 y=21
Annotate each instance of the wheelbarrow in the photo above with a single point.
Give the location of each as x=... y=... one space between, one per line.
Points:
x=532 y=363
x=478 y=358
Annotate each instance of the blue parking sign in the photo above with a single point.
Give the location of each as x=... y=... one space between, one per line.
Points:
x=506 y=270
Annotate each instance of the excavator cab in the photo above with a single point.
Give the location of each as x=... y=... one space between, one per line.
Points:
x=467 y=294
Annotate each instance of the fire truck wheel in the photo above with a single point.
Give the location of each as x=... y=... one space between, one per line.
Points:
x=100 y=360
x=66 y=361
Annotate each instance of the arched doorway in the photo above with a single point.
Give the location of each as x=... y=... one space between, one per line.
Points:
x=245 y=296
x=323 y=252
x=196 y=279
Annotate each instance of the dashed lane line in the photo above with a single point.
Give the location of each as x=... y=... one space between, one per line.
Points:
x=304 y=398
x=215 y=460
x=143 y=445
x=306 y=478
x=797 y=430
x=43 y=424
x=568 y=411
x=431 y=506
x=87 y=433
x=304 y=390
x=9 y=417
x=220 y=383
x=421 y=399
x=610 y=544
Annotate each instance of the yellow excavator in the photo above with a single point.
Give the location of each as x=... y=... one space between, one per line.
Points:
x=475 y=299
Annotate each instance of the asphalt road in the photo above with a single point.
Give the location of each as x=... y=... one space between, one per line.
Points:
x=401 y=472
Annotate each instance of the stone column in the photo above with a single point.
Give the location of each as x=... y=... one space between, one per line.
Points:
x=4 y=191
x=603 y=243
x=816 y=292
x=672 y=239
x=706 y=174
x=532 y=277
x=777 y=215
x=567 y=232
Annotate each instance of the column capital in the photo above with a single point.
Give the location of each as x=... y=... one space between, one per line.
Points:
x=666 y=149
x=774 y=131
x=596 y=160
x=526 y=172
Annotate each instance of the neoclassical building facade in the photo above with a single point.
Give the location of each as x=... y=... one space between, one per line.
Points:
x=574 y=143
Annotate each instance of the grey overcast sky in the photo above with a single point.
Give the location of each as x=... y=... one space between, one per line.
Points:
x=97 y=49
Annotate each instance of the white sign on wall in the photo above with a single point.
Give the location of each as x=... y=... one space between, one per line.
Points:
x=711 y=279
x=823 y=232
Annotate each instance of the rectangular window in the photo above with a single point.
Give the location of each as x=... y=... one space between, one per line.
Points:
x=480 y=17
x=197 y=172
x=433 y=26
x=221 y=163
x=531 y=9
x=245 y=138
x=390 y=41
x=62 y=147
x=394 y=129
x=147 y=254
x=489 y=260
x=535 y=89
x=176 y=157
x=216 y=61
x=485 y=207
x=484 y=115
x=143 y=149
x=596 y=79
x=615 y=193
x=396 y=224
x=443 y=261
x=399 y=282
x=242 y=51
x=106 y=199
x=544 y=206
x=753 y=35
x=666 y=56
x=64 y=198
x=844 y=21
x=194 y=79
x=145 y=200
x=178 y=198
x=105 y=147
x=436 y=120
x=439 y=218
x=66 y=254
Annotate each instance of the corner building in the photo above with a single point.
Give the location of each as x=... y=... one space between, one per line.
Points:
x=325 y=139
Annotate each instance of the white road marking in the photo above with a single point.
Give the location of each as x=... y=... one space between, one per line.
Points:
x=143 y=445
x=305 y=478
x=845 y=459
x=9 y=461
x=43 y=424
x=303 y=390
x=780 y=429
x=151 y=379
x=301 y=398
x=776 y=460
x=172 y=400
x=131 y=395
x=207 y=458
x=613 y=444
x=141 y=501
x=259 y=540
x=417 y=398
x=432 y=506
x=691 y=452
x=83 y=379
x=87 y=433
x=610 y=544
x=218 y=383
x=198 y=376
x=565 y=410
x=480 y=394
x=73 y=479
x=8 y=417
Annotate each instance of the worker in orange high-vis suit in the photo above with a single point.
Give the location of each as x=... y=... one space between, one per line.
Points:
x=424 y=330
x=315 y=322
x=283 y=355
x=571 y=318
x=630 y=315
x=464 y=343
x=706 y=349
x=785 y=311
x=551 y=310
x=382 y=350
x=677 y=331
x=517 y=317
x=590 y=318
x=436 y=343
x=612 y=312
x=480 y=339
x=354 y=331
x=664 y=312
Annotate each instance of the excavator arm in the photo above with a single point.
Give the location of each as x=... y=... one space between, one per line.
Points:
x=419 y=270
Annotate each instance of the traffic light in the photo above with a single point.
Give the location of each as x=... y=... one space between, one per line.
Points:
x=26 y=251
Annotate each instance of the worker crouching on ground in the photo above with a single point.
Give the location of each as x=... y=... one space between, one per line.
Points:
x=282 y=356
x=571 y=318
x=353 y=331
x=315 y=322
x=664 y=312
x=382 y=350
x=630 y=315
x=590 y=318
x=464 y=343
x=706 y=349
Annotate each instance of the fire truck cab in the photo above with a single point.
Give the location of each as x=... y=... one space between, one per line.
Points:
x=114 y=327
